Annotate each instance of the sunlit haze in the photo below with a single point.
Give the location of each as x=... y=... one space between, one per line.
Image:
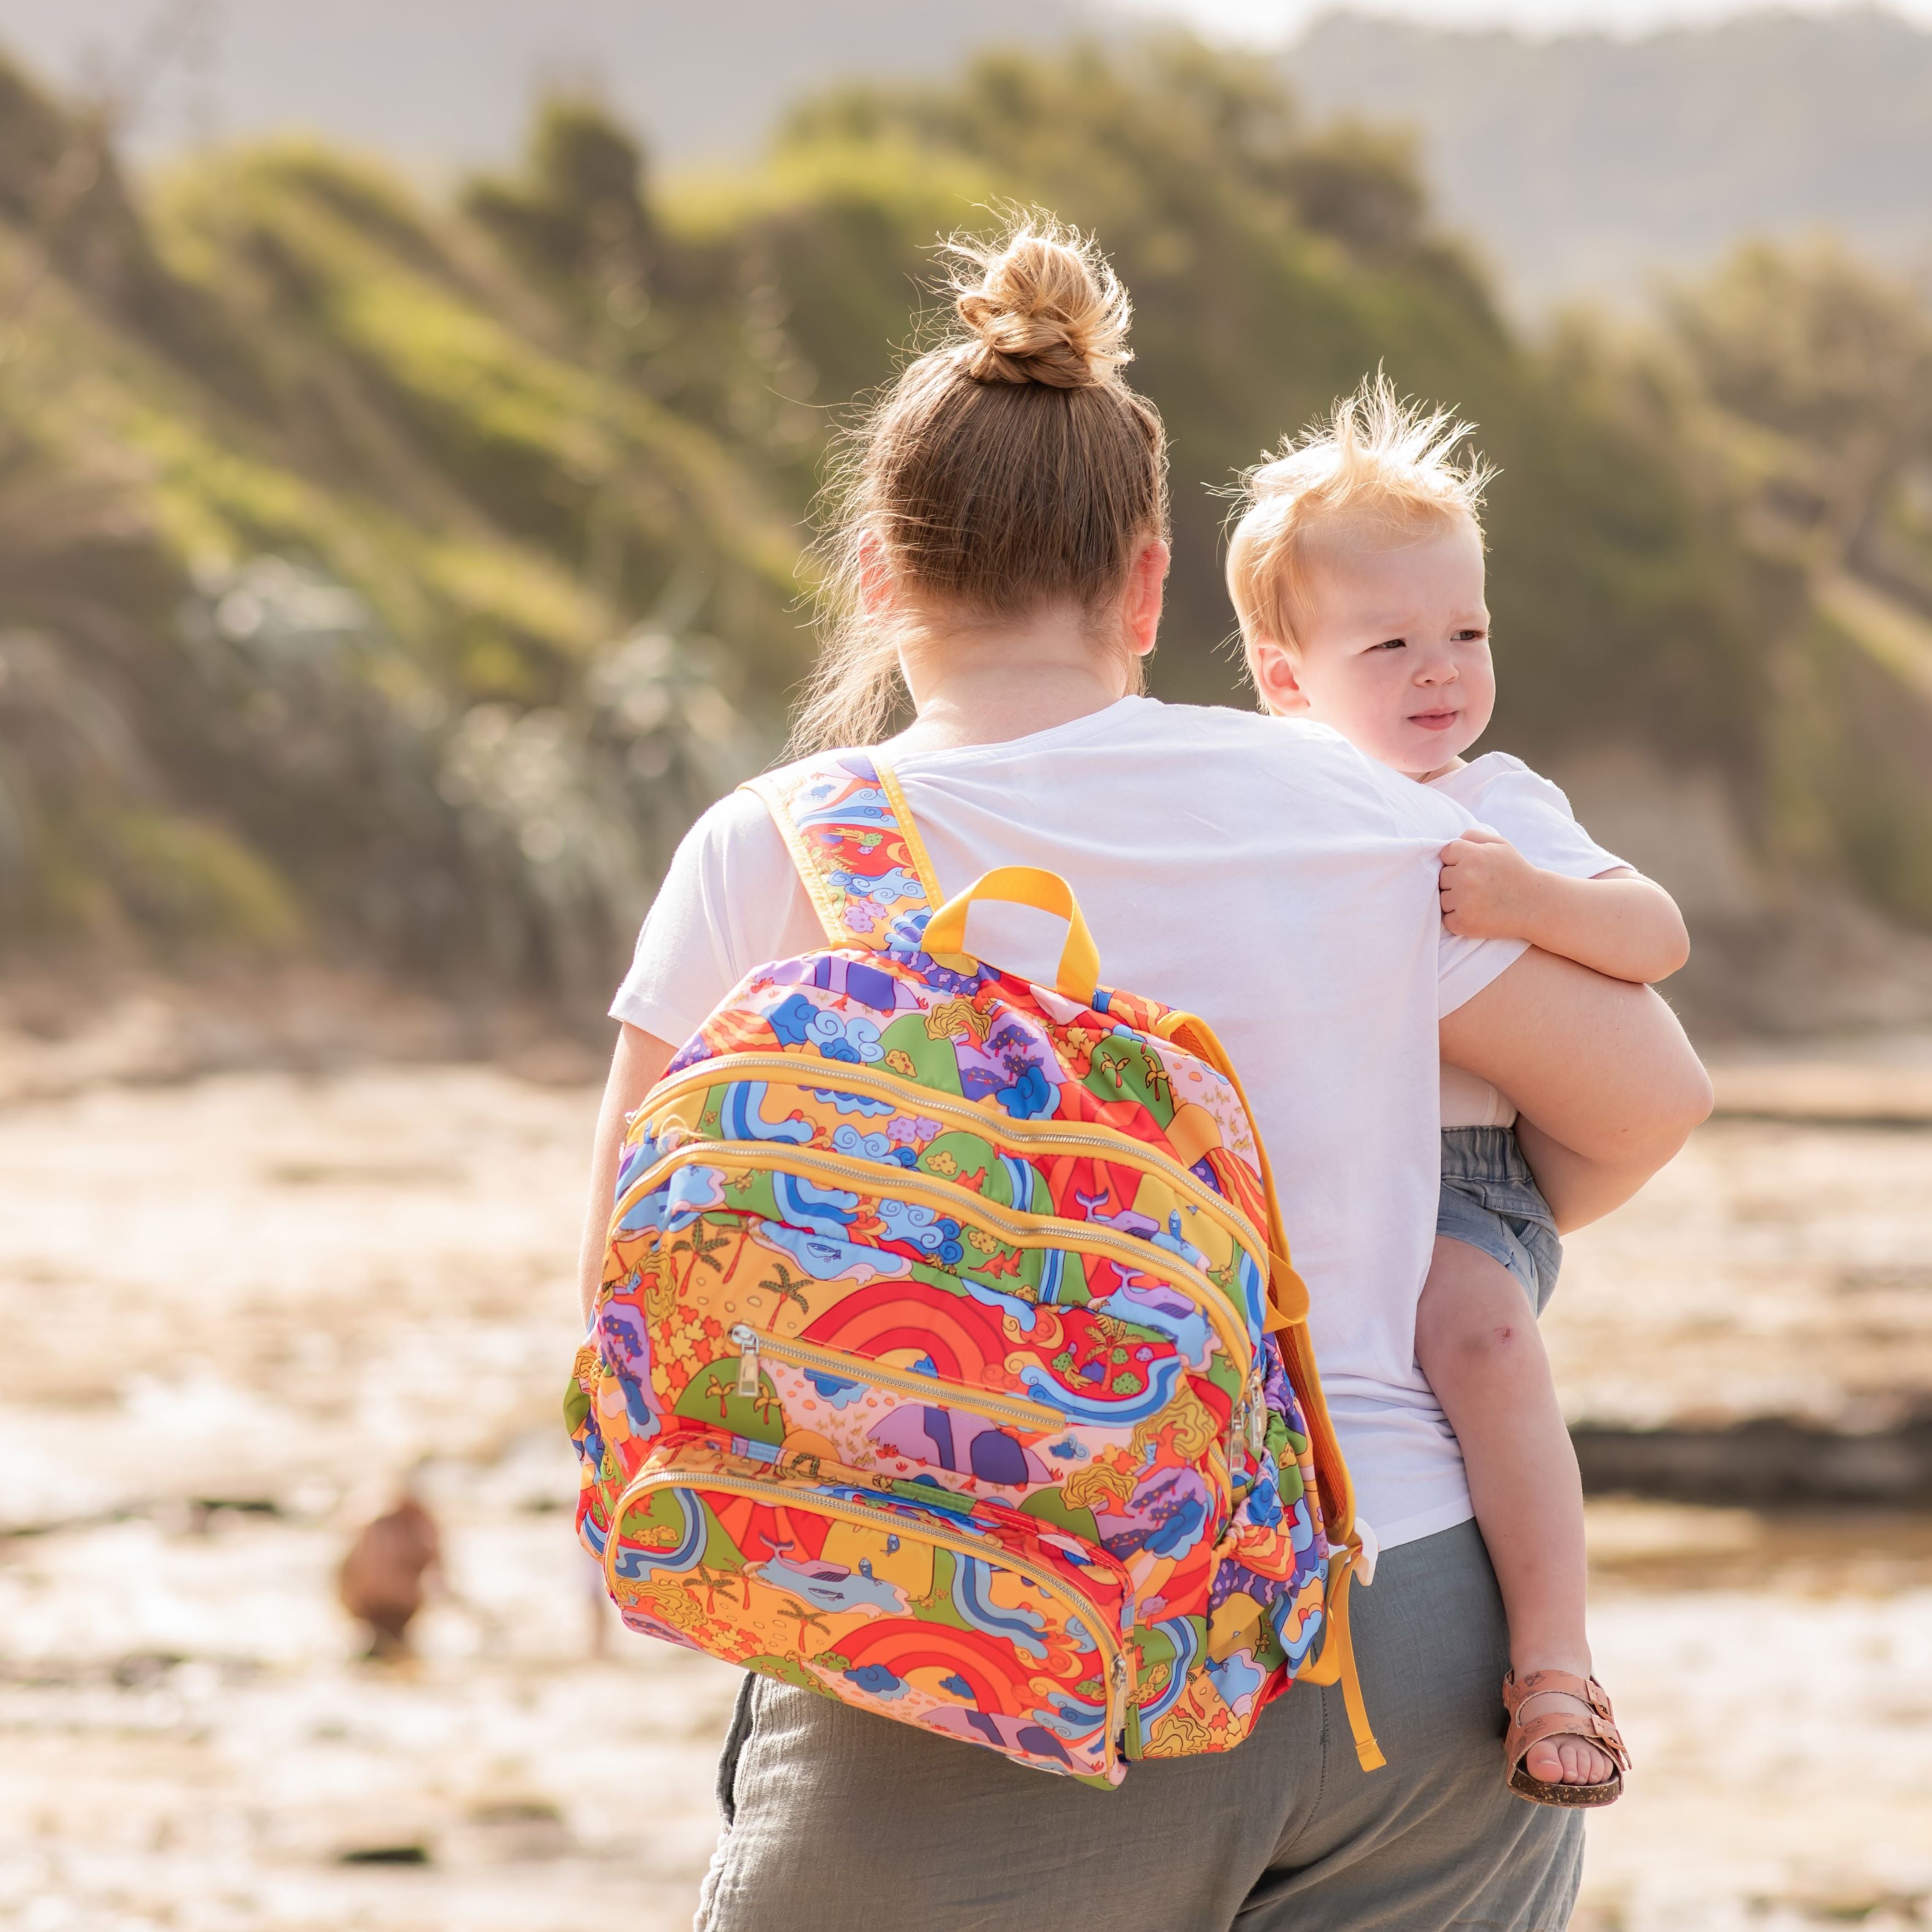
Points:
x=1272 y=23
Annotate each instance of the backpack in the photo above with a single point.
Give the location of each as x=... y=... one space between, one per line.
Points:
x=948 y=1360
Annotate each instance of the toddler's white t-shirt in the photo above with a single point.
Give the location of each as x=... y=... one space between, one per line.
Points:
x=1263 y=873
x=1534 y=816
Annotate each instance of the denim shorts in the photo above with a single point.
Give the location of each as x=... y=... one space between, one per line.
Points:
x=1490 y=1201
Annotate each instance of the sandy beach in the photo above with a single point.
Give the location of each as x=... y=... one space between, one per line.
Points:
x=236 y=1310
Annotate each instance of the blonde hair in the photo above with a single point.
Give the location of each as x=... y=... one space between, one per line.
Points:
x=1009 y=467
x=1381 y=467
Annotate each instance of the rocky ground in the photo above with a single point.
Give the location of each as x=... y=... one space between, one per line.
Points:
x=234 y=1310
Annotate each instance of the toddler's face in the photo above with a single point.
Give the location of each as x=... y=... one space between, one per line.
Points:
x=1395 y=651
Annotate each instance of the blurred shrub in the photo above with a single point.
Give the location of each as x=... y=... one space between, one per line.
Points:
x=502 y=846
x=569 y=817
x=88 y=853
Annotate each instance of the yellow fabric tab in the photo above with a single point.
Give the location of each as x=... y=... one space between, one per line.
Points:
x=1078 y=977
x=1336 y=1665
x=1288 y=1294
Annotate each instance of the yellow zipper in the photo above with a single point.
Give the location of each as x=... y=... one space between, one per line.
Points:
x=1067 y=1133
x=983 y=1548
x=1046 y=1230
x=857 y=1368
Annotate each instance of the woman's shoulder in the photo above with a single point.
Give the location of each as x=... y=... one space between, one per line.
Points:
x=1252 y=740
x=1329 y=780
x=740 y=818
x=733 y=852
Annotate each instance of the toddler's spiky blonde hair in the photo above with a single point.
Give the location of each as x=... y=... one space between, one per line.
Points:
x=1382 y=469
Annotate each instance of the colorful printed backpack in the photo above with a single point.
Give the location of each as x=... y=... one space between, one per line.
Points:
x=948 y=1360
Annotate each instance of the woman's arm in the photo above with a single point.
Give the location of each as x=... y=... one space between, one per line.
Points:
x=635 y=1067
x=1619 y=923
x=1609 y=1084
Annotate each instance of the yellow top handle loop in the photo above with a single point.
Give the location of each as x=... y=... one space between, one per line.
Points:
x=1078 y=977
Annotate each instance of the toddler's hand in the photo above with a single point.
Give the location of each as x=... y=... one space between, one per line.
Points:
x=1488 y=889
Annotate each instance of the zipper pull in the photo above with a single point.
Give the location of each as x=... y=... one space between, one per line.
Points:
x=747 y=1340
x=1257 y=1420
x=1130 y=1726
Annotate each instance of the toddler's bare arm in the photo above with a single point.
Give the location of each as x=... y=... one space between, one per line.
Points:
x=1620 y=923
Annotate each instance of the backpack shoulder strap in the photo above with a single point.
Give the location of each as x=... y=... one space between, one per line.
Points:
x=844 y=821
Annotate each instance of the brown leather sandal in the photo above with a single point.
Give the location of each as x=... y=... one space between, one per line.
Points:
x=1598 y=1725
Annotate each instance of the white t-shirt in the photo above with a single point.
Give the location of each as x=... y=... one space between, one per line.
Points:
x=1260 y=872
x=1533 y=814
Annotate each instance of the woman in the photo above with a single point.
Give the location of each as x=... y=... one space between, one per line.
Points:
x=1001 y=550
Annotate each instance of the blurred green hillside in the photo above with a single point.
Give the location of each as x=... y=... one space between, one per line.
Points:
x=393 y=580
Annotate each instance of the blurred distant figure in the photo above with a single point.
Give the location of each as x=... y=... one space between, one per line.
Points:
x=382 y=1579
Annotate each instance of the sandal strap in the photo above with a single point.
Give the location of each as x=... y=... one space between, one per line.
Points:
x=1598 y=1722
x=1516 y=1689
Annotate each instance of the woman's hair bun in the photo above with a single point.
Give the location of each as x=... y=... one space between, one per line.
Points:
x=1042 y=306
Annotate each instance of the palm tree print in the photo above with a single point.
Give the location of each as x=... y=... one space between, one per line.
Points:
x=786 y=1287
x=702 y=1246
x=807 y=1618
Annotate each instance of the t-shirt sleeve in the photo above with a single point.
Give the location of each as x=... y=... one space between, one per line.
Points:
x=731 y=900
x=1534 y=816
x=1463 y=967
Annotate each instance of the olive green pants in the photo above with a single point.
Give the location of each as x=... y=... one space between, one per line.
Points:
x=842 y=1821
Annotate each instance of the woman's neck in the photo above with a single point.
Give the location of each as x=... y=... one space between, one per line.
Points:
x=984 y=684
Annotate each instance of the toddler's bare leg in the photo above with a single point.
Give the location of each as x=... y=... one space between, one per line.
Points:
x=1476 y=1340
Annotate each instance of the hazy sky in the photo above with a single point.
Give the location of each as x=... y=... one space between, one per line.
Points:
x=438 y=84
x=1275 y=21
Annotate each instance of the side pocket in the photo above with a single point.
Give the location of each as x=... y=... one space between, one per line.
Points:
x=734 y=1749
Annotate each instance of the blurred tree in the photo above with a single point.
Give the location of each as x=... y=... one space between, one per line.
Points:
x=1792 y=389
x=1817 y=372
x=579 y=214
x=1810 y=380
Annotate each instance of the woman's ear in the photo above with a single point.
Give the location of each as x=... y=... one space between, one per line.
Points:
x=878 y=589
x=1277 y=678
x=1147 y=577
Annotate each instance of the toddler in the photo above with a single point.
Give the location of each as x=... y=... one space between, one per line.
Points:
x=1357 y=568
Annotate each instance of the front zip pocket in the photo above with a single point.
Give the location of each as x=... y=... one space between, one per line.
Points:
x=857 y=1369
x=1098 y=1142
x=1017 y=1229
x=984 y=1374
x=893 y=1422
x=966 y=1619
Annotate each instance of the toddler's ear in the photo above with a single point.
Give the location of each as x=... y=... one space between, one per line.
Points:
x=1276 y=675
